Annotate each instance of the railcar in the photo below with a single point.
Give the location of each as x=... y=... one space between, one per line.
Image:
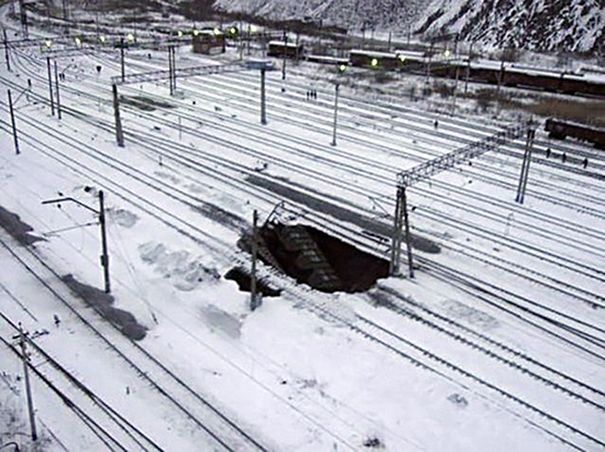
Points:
x=562 y=129
x=374 y=59
x=285 y=48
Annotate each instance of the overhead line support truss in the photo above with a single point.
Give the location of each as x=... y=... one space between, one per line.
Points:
x=428 y=169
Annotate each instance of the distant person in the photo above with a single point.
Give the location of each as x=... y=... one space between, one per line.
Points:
x=564 y=157
x=436 y=124
x=585 y=162
x=547 y=152
x=57 y=320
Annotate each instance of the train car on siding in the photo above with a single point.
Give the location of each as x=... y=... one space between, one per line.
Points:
x=562 y=129
x=374 y=59
x=285 y=48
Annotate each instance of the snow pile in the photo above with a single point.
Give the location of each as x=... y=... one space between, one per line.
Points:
x=185 y=271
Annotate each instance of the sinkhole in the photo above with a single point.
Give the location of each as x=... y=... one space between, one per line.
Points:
x=312 y=257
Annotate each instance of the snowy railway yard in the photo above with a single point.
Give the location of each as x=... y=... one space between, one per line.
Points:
x=497 y=343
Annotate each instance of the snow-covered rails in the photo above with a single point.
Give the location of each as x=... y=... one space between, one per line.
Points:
x=562 y=129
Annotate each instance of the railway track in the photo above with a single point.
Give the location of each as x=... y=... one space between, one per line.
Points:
x=506 y=354
x=223 y=431
x=124 y=436
x=579 y=433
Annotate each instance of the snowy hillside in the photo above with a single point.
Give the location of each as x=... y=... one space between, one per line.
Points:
x=572 y=25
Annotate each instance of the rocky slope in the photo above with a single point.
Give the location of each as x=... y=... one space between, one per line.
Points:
x=550 y=25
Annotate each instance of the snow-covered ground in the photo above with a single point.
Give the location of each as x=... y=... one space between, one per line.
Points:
x=496 y=344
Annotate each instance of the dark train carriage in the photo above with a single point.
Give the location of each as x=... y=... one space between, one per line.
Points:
x=327 y=59
x=561 y=129
x=209 y=41
x=579 y=84
x=373 y=59
x=285 y=48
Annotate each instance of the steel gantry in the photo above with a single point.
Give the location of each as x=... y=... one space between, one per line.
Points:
x=426 y=170
x=173 y=73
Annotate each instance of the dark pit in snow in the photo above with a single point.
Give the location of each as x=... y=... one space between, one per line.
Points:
x=243 y=280
x=313 y=257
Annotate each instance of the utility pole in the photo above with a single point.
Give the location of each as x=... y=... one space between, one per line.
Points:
x=500 y=79
x=336 y=89
x=263 y=109
x=116 y=112
x=64 y=3
x=57 y=89
x=285 y=51
x=50 y=87
x=6 y=52
x=297 y=42
x=468 y=67
x=457 y=38
x=23 y=16
x=254 y=246
x=170 y=70
x=408 y=238
x=241 y=41
x=172 y=56
x=12 y=113
x=524 y=176
x=428 y=66
x=104 y=255
x=401 y=221
x=249 y=39
x=28 y=389
x=122 y=58
x=455 y=88
x=101 y=215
